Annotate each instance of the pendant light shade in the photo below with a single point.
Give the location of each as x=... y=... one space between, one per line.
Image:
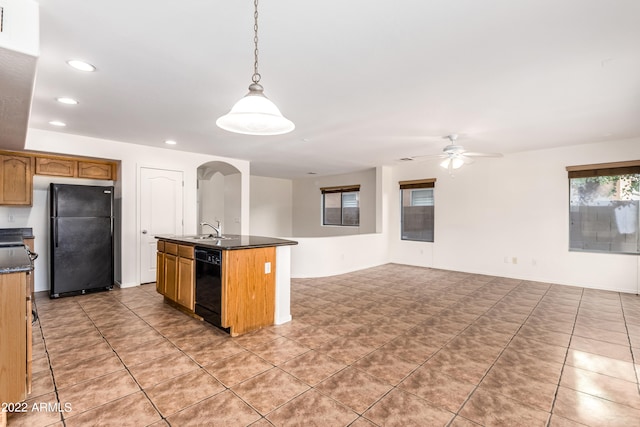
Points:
x=255 y=114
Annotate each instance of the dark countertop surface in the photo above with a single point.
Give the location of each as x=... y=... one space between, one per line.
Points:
x=14 y=259
x=231 y=242
x=24 y=233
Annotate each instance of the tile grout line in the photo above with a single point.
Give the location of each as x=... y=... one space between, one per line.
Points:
x=53 y=377
x=564 y=363
x=633 y=359
x=504 y=349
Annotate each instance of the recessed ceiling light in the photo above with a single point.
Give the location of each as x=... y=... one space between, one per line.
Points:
x=81 y=65
x=170 y=142
x=57 y=123
x=68 y=101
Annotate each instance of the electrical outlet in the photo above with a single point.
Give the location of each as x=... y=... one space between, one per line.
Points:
x=267 y=268
x=514 y=260
x=11 y=218
x=507 y=260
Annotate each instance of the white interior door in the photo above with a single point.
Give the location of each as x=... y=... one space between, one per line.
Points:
x=161 y=212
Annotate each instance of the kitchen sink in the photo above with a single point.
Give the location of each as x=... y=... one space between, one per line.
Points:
x=209 y=237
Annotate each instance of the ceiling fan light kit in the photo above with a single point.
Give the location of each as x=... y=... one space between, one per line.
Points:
x=455 y=156
x=255 y=114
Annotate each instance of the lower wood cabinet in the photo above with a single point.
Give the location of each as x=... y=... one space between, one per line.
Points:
x=248 y=292
x=15 y=337
x=175 y=273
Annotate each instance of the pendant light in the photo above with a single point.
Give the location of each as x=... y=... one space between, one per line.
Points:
x=255 y=114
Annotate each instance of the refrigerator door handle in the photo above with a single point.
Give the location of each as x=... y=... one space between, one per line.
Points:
x=55 y=230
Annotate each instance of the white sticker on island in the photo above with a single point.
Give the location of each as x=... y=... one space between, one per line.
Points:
x=267 y=267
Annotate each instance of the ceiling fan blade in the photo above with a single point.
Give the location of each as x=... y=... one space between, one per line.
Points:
x=465 y=159
x=429 y=156
x=471 y=154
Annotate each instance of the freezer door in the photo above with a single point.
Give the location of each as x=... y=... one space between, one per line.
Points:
x=81 y=200
x=82 y=254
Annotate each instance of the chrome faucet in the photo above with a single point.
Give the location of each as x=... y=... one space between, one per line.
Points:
x=217 y=229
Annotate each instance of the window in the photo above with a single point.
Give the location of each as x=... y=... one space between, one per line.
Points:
x=341 y=205
x=603 y=207
x=417 y=218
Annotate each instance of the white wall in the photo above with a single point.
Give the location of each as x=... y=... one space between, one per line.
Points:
x=232 y=204
x=327 y=256
x=211 y=201
x=271 y=206
x=514 y=207
x=307 y=204
x=133 y=157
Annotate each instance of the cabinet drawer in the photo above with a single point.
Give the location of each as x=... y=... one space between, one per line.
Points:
x=160 y=245
x=171 y=248
x=185 y=251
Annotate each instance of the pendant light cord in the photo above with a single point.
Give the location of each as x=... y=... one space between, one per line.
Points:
x=256 y=75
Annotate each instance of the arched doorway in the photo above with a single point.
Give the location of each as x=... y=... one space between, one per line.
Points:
x=220 y=196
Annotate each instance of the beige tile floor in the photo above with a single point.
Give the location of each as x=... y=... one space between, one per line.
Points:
x=387 y=346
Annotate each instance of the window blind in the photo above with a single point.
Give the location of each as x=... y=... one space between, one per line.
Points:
x=418 y=183
x=604 y=169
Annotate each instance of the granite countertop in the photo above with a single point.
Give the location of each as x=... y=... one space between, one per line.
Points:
x=231 y=241
x=14 y=259
x=24 y=233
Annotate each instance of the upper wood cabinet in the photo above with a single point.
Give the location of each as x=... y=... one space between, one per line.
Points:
x=16 y=180
x=56 y=167
x=95 y=170
x=75 y=168
x=17 y=169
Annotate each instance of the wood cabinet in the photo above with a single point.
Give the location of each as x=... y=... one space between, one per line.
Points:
x=15 y=337
x=175 y=273
x=160 y=282
x=248 y=284
x=248 y=289
x=56 y=167
x=95 y=170
x=17 y=169
x=16 y=180
x=186 y=283
x=74 y=167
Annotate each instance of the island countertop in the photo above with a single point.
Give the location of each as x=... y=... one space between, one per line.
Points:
x=14 y=259
x=229 y=242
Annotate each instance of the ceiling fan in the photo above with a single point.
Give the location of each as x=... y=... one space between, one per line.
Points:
x=455 y=156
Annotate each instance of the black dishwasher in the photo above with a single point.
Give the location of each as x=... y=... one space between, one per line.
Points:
x=209 y=285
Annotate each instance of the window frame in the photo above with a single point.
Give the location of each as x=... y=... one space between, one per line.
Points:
x=614 y=169
x=342 y=190
x=420 y=184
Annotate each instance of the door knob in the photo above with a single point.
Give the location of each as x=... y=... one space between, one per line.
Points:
x=144 y=231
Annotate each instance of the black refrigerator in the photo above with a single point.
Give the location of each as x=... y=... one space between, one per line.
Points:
x=81 y=239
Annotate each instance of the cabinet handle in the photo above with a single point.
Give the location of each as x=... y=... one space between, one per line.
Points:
x=144 y=231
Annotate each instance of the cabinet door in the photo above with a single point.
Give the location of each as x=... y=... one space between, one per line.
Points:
x=160 y=282
x=170 y=276
x=56 y=167
x=248 y=291
x=14 y=333
x=16 y=177
x=186 y=282
x=95 y=170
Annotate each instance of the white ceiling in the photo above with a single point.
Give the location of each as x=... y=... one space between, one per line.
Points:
x=366 y=82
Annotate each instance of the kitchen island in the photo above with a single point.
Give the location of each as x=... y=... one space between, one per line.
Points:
x=239 y=283
x=15 y=327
